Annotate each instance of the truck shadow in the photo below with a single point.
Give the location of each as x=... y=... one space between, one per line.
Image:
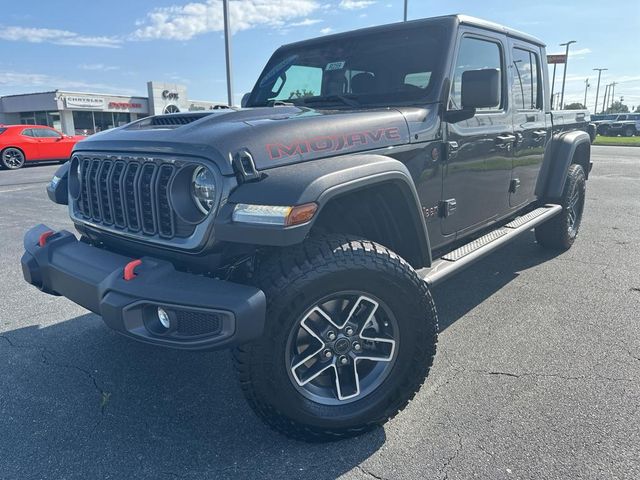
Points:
x=78 y=400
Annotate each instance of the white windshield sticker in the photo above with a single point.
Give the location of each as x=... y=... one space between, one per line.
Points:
x=335 y=66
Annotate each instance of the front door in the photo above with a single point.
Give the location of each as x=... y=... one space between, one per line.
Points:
x=532 y=126
x=51 y=144
x=477 y=169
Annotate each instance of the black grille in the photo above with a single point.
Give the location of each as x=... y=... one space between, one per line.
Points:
x=192 y=324
x=129 y=194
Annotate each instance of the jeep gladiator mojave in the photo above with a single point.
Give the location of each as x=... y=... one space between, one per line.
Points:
x=306 y=230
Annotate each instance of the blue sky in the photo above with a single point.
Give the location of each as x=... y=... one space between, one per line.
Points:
x=116 y=46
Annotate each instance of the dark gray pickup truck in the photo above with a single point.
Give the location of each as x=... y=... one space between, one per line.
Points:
x=306 y=230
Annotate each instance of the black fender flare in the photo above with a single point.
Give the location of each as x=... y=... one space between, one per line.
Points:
x=558 y=156
x=318 y=181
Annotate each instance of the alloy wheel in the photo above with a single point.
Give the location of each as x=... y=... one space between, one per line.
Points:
x=343 y=348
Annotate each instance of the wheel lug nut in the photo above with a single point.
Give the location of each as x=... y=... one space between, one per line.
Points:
x=357 y=347
x=344 y=360
x=327 y=353
x=331 y=335
x=349 y=331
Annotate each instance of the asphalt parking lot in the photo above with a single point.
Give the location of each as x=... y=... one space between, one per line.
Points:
x=537 y=374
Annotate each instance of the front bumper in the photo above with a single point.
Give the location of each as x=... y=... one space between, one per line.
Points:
x=205 y=313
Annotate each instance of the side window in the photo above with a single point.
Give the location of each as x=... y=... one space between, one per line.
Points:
x=28 y=132
x=46 y=133
x=474 y=54
x=526 y=80
x=301 y=81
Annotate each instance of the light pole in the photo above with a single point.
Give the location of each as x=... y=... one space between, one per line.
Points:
x=604 y=101
x=613 y=93
x=227 y=50
x=406 y=6
x=553 y=84
x=586 y=87
x=564 y=75
x=600 y=70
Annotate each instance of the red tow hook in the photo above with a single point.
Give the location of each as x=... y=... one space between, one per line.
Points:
x=43 y=238
x=129 y=269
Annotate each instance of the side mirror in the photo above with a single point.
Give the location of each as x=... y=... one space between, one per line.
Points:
x=480 y=88
x=245 y=99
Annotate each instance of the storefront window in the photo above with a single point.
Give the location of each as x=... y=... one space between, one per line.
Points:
x=49 y=119
x=103 y=121
x=120 y=119
x=83 y=122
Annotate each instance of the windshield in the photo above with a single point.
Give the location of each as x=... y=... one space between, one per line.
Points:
x=392 y=67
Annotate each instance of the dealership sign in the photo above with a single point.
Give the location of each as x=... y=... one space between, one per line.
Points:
x=559 y=58
x=124 y=105
x=83 y=102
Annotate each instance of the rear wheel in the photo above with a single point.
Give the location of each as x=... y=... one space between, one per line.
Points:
x=628 y=132
x=561 y=231
x=350 y=336
x=12 y=158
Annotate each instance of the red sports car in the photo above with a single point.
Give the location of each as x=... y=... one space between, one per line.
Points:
x=26 y=143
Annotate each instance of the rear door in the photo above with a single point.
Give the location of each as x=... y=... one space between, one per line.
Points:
x=532 y=127
x=477 y=170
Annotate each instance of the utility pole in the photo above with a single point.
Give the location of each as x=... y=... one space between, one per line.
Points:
x=227 y=50
x=586 y=87
x=553 y=84
x=564 y=75
x=604 y=101
x=600 y=70
x=613 y=93
x=406 y=7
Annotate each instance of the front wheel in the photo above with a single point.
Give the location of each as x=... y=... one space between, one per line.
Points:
x=629 y=132
x=560 y=232
x=12 y=158
x=350 y=336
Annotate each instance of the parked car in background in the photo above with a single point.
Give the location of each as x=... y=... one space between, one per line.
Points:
x=33 y=143
x=625 y=124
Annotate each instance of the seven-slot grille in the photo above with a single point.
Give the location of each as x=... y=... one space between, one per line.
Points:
x=130 y=195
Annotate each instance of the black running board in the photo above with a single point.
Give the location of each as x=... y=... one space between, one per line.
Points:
x=462 y=257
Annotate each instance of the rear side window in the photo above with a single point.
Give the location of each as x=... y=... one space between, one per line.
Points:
x=28 y=132
x=46 y=133
x=475 y=54
x=526 y=80
x=2 y=130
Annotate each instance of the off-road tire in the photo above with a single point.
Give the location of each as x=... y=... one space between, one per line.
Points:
x=556 y=233
x=293 y=280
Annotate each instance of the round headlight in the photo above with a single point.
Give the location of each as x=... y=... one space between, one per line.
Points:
x=203 y=189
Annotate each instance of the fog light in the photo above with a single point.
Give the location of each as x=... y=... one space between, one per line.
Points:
x=164 y=318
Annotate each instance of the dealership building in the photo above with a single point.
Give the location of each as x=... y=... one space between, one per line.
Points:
x=76 y=113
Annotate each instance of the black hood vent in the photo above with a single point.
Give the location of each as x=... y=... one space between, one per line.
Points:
x=173 y=120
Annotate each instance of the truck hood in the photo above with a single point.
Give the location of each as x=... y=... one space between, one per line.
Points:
x=273 y=136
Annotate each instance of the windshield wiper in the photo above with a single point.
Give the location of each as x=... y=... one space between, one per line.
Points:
x=331 y=98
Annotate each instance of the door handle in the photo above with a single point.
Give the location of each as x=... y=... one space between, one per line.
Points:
x=504 y=140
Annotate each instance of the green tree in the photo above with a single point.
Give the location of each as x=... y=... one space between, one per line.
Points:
x=575 y=106
x=617 y=107
x=301 y=93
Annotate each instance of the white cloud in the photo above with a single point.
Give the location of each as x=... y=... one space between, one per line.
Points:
x=306 y=22
x=355 y=4
x=20 y=81
x=326 y=30
x=58 y=37
x=183 y=22
x=98 y=67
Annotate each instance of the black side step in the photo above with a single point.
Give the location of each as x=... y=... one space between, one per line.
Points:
x=464 y=256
